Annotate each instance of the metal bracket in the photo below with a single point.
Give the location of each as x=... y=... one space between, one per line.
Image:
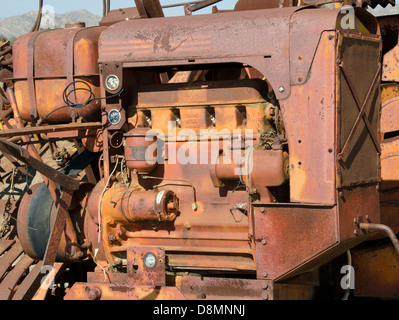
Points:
x=146 y=266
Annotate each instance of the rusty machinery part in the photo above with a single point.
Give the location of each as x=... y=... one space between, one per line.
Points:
x=127 y=206
x=36 y=25
x=138 y=153
x=35 y=218
x=6 y=66
x=301 y=103
x=69 y=68
x=69 y=104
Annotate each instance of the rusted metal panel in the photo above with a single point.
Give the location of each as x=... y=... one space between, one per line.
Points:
x=389 y=115
x=212 y=40
x=390 y=160
x=289 y=236
x=390 y=71
x=101 y=291
x=146 y=266
x=44 y=66
x=310 y=129
x=356 y=205
x=194 y=288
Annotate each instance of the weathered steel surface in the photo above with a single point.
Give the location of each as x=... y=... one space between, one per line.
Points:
x=101 y=291
x=47 y=129
x=212 y=40
x=283 y=241
x=376 y=272
x=45 y=64
x=304 y=95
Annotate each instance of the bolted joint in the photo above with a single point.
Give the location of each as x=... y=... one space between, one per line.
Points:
x=93 y=293
x=112 y=238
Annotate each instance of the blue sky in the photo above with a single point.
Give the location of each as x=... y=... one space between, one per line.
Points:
x=16 y=7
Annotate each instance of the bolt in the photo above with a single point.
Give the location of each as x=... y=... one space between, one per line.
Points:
x=112 y=238
x=281 y=89
x=264 y=274
x=195 y=206
x=94 y=293
x=263 y=241
x=330 y=37
x=262 y=210
x=187 y=226
x=264 y=285
x=202 y=296
x=265 y=296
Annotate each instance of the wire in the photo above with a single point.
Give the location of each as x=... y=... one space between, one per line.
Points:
x=71 y=104
x=99 y=219
x=123 y=176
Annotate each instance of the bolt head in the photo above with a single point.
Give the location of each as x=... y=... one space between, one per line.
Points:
x=281 y=89
x=112 y=238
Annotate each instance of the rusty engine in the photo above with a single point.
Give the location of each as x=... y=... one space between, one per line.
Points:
x=231 y=155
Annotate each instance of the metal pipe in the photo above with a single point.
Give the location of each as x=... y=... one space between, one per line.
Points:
x=36 y=26
x=382 y=227
x=104 y=8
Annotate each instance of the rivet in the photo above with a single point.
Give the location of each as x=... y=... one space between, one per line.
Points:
x=281 y=89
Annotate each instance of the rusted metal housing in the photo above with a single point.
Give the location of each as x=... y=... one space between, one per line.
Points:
x=333 y=154
x=46 y=62
x=265 y=130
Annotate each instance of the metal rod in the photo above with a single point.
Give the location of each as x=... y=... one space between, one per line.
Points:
x=203 y=4
x=180 y=4
x=195 y=5
x=50 y=128
x=382 y=227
